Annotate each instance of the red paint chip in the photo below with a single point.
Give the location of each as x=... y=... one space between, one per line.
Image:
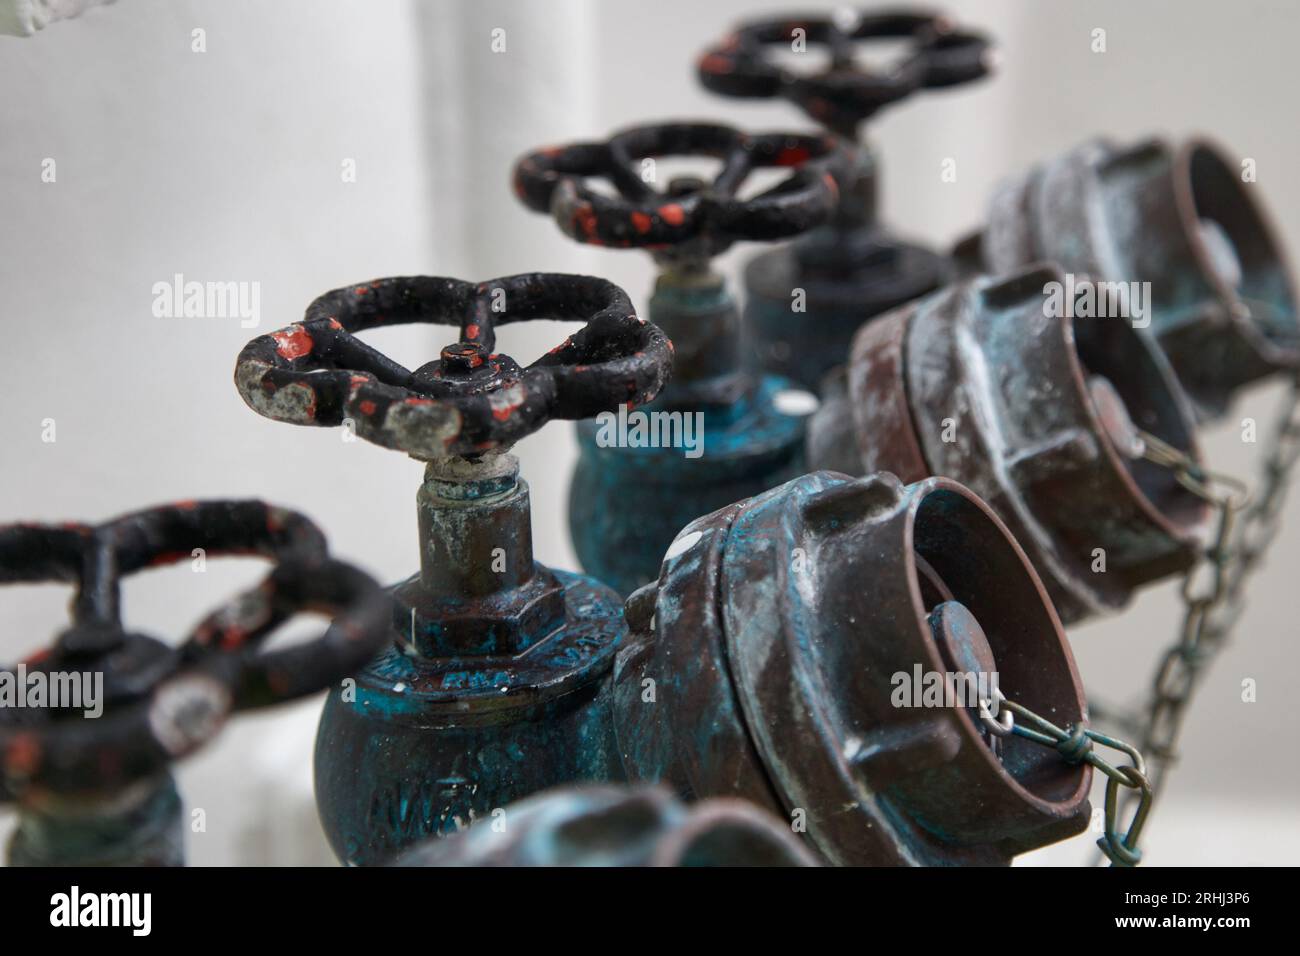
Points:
x=792 y=156
x=673 y=214
x=293 y=342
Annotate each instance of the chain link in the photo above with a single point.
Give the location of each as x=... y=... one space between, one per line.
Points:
x=1075 y=745
x=1213 y=589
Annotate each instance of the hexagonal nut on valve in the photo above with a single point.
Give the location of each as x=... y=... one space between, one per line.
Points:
x=1046 y=415
x=1178 y=228
x=594 y=825
x=821 y=650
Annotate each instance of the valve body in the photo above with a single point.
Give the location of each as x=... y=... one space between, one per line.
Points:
x=140 y=825
x=804 y=300
x=494 y=681
x=495 y=684
x=714 y=436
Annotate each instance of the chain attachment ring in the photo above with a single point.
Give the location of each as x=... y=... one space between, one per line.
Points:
x=1075 y=745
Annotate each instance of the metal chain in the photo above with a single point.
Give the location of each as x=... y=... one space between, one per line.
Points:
x=1205 y=589
x=1075 y=745
x=1212 y=607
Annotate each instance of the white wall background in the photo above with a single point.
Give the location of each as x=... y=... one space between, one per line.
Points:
x=225 y=165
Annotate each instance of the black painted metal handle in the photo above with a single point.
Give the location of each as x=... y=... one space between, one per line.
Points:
x=159 y=702
x=556 y=181
x=844 y=94
x=471 y=400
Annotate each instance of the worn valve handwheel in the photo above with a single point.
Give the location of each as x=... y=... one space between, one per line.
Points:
x=844 y=94
x=471 y=399
x=97 y=789
x=689 y=216
x=493 y=684
x=853 y=269
x=747 y=443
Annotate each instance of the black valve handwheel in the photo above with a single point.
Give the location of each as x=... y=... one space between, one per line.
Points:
x=471 y=400
x=844 y=94
x=158 y=702
x=647 y=214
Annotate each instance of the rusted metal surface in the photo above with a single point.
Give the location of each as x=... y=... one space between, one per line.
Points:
x=1036 y=412
x=852 y=268
x=747 y=443
x=617 y=826
x=1222 y=298
x=494 y=683
x=97 y=789
x=763 y=665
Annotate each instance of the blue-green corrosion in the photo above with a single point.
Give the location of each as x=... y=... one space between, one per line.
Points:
x=626 y=505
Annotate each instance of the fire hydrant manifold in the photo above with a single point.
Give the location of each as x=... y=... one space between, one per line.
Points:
x=719 y=433
x=92 y=780
x=993 y=383
x=495 y=683
x=1170 y=237
x=805 y=301
x=780 y=659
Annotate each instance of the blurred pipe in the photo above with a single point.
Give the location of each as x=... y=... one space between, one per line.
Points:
x=24 y=18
